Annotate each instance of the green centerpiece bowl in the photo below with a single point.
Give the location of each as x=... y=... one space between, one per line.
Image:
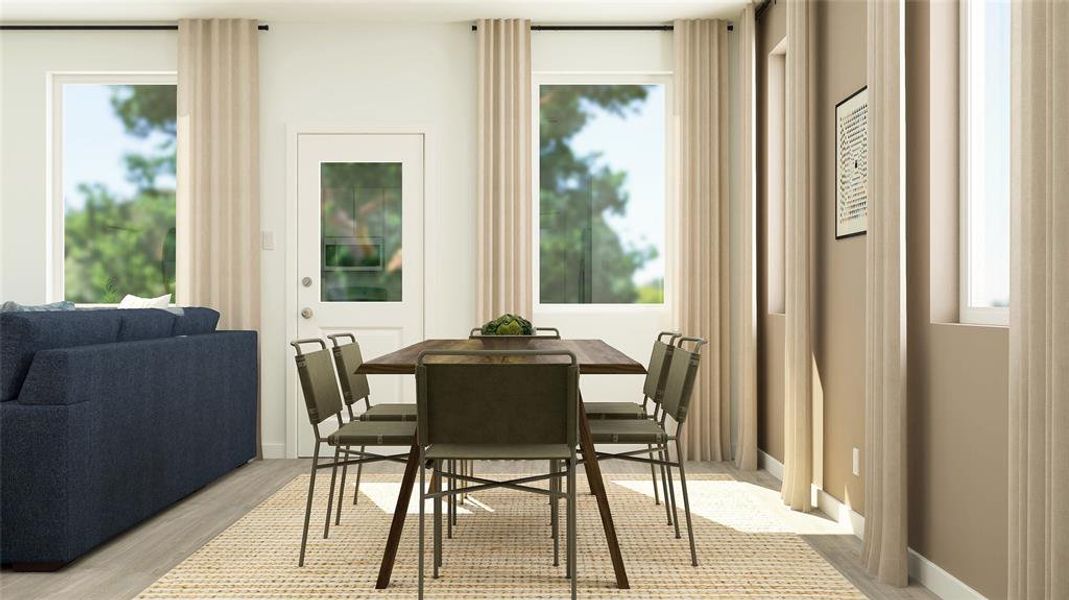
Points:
x=508 y=324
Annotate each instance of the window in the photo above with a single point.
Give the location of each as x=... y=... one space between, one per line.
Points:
x=113 y=187
x=602 y=189
x=985 y=166
x=775 y=169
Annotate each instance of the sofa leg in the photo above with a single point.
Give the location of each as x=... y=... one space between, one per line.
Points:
x=37 y=567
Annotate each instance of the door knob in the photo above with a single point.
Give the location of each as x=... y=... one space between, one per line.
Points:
x=306 y=312
x=306 y=282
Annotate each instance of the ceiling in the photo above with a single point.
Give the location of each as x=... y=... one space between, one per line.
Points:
x=540 y=11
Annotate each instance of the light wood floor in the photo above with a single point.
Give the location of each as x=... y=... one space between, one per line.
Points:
x=131 y=562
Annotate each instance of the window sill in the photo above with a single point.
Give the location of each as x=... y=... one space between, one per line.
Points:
x=961 y=324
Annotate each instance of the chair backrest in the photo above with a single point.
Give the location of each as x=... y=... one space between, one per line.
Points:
x=497 y=397
x=348 y=359
x=657 y=371
x=682 y=370
x=548 y=333
x=316 y=373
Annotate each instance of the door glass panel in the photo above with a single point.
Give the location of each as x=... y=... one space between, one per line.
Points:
x=360 y=245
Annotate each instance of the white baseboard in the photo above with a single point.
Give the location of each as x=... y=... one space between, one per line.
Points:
x=938 y=581
x=921 y=570
x=843 y=514
x=773 y=466
x=276 y=450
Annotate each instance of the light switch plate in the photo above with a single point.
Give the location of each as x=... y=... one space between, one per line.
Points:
x=857 y=462
x=267 y=240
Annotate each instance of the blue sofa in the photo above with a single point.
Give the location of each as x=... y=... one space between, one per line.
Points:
x=109 y=416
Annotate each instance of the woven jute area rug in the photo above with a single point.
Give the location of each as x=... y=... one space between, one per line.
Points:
x=747 y=548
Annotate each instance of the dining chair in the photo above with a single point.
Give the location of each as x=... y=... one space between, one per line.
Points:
x=652 y=390
x=549 y=333
x=323 y=402
x=492 y=407
x=354 y=387
x=675 y=403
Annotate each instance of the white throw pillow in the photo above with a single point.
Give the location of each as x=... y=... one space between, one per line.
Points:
x=132 y=301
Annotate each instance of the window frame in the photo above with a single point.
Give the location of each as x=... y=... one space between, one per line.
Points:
x=968 y=314
x=56 y=208
x=671 y=211
x=775 y=174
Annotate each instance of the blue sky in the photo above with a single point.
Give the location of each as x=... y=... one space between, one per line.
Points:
x=635 y=144
x=94 y=143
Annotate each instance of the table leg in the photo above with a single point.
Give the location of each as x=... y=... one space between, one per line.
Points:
x=597 y=486
x=399 y=513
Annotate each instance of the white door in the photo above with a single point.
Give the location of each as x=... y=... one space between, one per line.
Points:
x=360 y=250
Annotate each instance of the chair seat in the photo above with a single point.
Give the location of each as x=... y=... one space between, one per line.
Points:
x=389 y=412
x=623 y=431
x=499 y=451
x=374 y=433
x=614 y=410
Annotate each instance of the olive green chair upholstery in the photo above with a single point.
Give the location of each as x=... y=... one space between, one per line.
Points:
x=652 y=389
x=354 y=387
x=323 y=402
x=652 y=386
x=498 y=408
x=656 y=433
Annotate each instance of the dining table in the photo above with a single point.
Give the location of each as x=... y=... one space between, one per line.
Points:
x=595 y=357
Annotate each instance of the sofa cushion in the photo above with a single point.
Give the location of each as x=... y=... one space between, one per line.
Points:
x=12 y=306
x=145 y=324
x=196 y=320
x=22 y=334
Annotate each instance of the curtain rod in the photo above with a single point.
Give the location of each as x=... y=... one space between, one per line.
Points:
x=98 y=27
x=600 y=27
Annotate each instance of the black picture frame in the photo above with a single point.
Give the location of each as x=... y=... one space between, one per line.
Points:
x=835 y=179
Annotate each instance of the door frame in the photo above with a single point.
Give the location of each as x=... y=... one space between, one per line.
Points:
x=430 y=236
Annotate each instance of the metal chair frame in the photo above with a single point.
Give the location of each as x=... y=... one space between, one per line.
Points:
x=350 y=399
x=362 y=457
x=553 y=334
x=474 y=483
x=664 y=456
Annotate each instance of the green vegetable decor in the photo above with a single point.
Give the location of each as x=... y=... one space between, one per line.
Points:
x=508 y=324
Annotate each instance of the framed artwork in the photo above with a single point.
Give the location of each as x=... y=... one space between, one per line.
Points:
x=852 y=165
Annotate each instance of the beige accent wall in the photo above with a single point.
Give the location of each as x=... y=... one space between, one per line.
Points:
x=958 y=373
x=839 y=340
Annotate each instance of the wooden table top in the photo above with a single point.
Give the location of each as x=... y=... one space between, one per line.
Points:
x=595 y=356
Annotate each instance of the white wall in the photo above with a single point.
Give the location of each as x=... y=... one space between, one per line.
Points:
x=377 y=75
x=26 y=58
x=349 y=75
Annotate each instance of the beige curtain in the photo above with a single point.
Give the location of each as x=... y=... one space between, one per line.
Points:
x=702 y=107
x=504 y=177
x=1039 y=302
x=746 y=298
x=219 y=169
x=798 y=290
x=884 y=552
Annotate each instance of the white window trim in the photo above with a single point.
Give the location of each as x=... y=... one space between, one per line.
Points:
x=55 y=254
x=671 y=208
x=968 y=314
